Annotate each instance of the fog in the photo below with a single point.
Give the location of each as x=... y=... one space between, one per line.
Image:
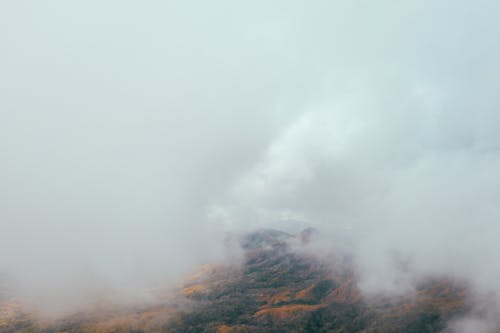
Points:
x=134 y=135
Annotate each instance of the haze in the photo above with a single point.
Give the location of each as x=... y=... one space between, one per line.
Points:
x=134 y=135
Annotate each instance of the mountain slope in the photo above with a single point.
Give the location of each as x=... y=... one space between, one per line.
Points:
x=277 y=288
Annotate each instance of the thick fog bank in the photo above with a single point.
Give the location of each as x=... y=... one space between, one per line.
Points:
x=134 y=135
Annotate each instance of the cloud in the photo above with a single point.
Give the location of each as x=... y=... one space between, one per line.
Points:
x=134 y=135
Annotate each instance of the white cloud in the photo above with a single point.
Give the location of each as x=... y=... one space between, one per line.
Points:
x=123 y=123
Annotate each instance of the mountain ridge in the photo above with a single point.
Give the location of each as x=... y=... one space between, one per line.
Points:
x=276 y=288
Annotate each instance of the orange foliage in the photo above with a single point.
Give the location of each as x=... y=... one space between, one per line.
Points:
x=281 y=297
x=193 y=289
x=8 y=312
x=224 y=329
x=346 y=293
x=304 y=293
x=282 y=312
x=203 y=272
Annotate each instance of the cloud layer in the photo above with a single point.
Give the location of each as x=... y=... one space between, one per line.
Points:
x=134 y=135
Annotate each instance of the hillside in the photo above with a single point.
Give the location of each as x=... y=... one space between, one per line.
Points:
x=277 y=288
x=282 y=290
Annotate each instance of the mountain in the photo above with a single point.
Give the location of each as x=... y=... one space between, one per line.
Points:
x=279 y=287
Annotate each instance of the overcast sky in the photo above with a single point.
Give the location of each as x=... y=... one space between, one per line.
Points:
x=134 y=134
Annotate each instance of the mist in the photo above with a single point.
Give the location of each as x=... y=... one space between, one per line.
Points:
x=135 y=135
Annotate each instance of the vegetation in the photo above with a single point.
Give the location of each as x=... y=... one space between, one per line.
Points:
x=276 y=290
